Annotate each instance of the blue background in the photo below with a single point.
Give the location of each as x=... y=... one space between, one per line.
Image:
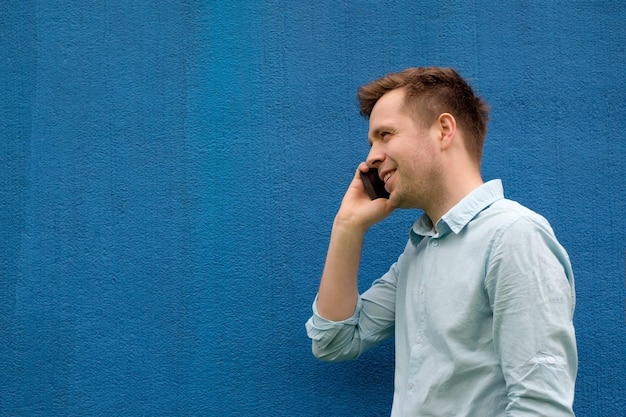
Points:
x=170 y=172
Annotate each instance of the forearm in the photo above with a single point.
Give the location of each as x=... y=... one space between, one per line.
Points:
x=369 y=322
x=338 y=291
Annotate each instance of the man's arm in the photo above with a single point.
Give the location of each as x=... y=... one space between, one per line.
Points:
x=531 y=288
x=338 y=291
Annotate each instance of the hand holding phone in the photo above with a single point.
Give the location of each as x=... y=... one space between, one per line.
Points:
x=374 y=186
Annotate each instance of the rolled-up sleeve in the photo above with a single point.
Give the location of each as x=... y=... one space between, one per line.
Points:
x=371 y=324
x=334 y=341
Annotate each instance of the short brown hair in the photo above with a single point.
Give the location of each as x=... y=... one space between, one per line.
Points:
x=432 y=91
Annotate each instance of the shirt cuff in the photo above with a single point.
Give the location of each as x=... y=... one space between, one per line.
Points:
x=322 y=331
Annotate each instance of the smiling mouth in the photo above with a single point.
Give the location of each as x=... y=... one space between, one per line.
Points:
x=387 y=176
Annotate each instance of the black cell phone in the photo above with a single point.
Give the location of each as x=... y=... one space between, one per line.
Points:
x=374 y=186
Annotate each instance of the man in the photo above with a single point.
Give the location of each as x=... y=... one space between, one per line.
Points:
x=482 y=298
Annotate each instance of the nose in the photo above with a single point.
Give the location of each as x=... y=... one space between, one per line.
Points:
x=375 y=157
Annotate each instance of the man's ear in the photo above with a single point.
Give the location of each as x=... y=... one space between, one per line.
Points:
x=447 y=129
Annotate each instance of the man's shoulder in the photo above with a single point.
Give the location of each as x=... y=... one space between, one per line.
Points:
x=510 y=209
x=504 y=213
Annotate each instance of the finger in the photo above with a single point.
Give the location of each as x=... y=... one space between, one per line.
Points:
x=362 y=167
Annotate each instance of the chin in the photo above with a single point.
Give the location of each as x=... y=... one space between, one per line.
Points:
x=396 y=200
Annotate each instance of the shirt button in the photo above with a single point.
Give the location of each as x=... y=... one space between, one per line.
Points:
x=435 y=243
x=410 y=386
x=550 y=360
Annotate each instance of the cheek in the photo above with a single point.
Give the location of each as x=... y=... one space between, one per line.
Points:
x=415 y=163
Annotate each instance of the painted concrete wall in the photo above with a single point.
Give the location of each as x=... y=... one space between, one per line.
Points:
x=170 y=171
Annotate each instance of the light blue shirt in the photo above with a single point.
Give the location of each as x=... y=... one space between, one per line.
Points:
x=481 y=310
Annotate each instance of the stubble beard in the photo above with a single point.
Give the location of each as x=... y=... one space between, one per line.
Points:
x=420 y=193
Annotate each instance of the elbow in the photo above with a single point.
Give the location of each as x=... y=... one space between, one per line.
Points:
x=333 y=355
x=322 y=354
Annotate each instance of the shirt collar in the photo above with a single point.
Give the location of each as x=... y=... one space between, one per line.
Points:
x=459 y=215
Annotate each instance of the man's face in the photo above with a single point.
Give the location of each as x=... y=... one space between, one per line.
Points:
x=405 y=153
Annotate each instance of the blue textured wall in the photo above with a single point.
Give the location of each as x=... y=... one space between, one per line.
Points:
x=170 y=171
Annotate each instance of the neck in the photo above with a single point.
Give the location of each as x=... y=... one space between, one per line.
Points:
x=454 y=189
